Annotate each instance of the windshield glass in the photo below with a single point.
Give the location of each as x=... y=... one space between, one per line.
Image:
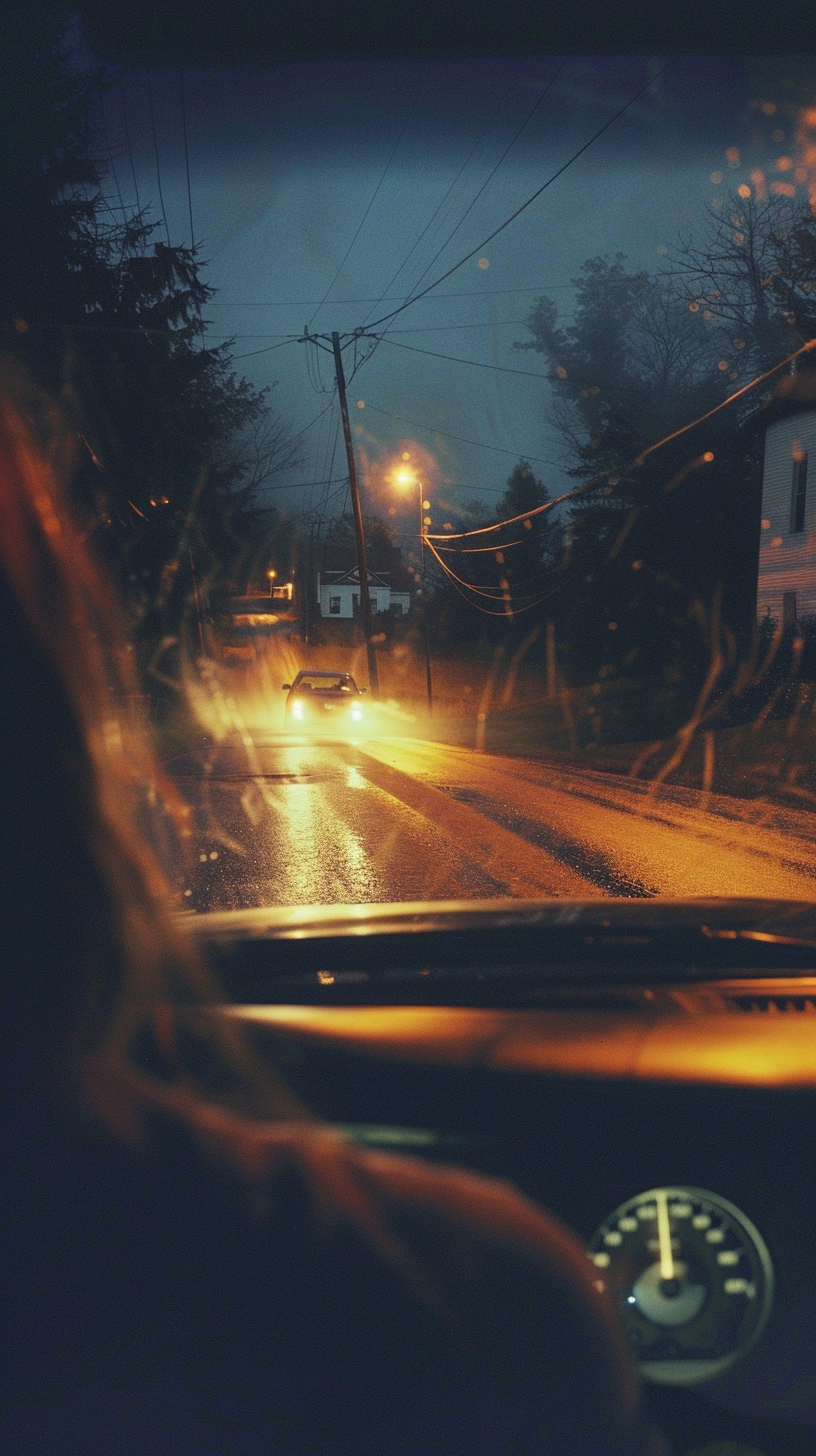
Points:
x=488 y=381
x=321 y=682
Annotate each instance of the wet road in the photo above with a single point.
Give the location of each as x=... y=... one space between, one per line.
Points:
x=288 y=821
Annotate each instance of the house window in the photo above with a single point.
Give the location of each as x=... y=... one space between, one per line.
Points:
x=355 y=603
x=799 y=493
x=789 y=609
x=334 y=606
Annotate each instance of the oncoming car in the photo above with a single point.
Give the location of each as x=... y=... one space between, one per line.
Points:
x=323 y=701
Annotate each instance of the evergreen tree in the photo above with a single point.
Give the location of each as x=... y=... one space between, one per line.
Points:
x=172 y=444
x=498 y=584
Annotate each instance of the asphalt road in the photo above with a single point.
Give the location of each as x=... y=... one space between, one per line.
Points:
x=283 y=820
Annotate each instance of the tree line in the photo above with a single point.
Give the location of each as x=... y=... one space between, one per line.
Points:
x=651 y=569
x=170 y=444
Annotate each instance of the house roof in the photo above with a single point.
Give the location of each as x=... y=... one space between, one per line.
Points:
x=352 y=578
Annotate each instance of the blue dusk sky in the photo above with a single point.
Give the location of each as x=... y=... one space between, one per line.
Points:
x=325 y=194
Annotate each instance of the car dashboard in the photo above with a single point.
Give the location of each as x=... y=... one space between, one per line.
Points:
x=645 y=1071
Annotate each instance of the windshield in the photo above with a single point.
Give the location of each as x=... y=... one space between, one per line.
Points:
x=323 y=682
x=488 y=381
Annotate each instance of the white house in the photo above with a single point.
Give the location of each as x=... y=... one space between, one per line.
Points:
x=787 y=551
x=338 y=593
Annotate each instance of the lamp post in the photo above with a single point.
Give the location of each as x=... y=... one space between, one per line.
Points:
x=406 y=476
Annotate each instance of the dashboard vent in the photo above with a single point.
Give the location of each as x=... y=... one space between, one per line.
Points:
x=773 y=1005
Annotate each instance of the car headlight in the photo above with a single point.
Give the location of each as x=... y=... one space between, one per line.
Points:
x=297 y=710
x=356 y=714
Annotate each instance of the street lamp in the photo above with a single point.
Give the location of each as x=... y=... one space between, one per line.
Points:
x=271 y=575
x=406 y=477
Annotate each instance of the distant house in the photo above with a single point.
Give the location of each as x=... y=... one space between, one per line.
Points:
x=786 y=588
x=338 y=593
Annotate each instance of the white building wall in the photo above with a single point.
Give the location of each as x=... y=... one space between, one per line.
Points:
x=347 y=591
x=787 y=561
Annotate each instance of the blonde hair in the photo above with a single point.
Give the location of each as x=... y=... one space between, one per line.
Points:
x=127 y=964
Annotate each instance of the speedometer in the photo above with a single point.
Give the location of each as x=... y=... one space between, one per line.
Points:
x=691 y=1278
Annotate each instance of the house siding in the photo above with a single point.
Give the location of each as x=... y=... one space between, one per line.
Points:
x=787 y=559
x=347 y=595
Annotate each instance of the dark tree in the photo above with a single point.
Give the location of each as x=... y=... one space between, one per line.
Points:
x=749 y=281
x=498 y=583
x=656 y=536
x=171 y=444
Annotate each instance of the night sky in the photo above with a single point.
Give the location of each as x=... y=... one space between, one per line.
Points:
x=297 y=170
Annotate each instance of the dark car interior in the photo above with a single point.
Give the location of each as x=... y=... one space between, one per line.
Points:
x=588 y=1053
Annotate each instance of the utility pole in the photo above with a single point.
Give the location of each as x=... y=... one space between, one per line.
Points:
x=365 y=598
x=422 y=533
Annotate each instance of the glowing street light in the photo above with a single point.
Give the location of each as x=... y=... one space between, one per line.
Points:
x=405 y=477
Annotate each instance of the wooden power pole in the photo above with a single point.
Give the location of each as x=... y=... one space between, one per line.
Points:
x=365 y=597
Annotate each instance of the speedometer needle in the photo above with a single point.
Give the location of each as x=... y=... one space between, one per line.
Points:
x=664 y=1235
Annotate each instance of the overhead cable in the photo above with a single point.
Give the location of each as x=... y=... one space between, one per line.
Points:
x=376 y=302
x=464 y=293
x=463 y=439
x=156 y=153
x=530 y=200
x=639 y=460
x=528 y=118
x=368 y=209
x=186 y=156
x=455 y=359
x=253 y=353
x=129 y=147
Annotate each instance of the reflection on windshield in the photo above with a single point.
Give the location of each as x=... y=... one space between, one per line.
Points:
x=490 y=384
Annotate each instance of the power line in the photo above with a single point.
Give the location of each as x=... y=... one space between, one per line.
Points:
x=313 y=364
x=454 y=328
x=492 y=174
x=519 y=210
x=368 y=209
x=322 y=447
x=454 y=359
x=315 y=511
x=464 y=440
x=186 y=156
x=377 y=301
x=489 y=177
x=110 y=163
x=639 y=460
x=331 y=462
x=507 y=610
x=302 y=432
x=156 y=152
x=253 y=353
x=464 y=293
x=129 y=147
x=307 y=484
x=481 y=550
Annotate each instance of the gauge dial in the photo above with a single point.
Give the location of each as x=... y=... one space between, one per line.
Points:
x=691 y=1278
